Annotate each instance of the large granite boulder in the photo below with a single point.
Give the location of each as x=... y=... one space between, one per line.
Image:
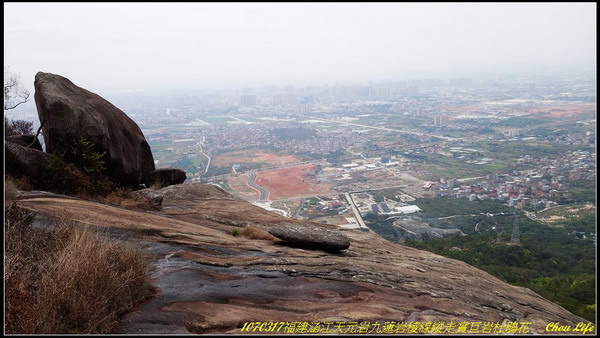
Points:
x=163 y=177
x=28 y=162
x=29 y=141
x=310 y=237
x=70 y=113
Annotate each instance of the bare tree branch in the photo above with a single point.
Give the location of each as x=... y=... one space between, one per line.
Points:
x=14 y=93
x=8 y=107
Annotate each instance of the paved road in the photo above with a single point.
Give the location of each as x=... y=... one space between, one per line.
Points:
x=357 y=215
x=208 y=157
x=264 y=193
x=238 y=119
x=479 y=214
x=470 y=178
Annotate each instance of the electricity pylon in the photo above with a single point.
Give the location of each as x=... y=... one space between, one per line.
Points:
x=516 y=232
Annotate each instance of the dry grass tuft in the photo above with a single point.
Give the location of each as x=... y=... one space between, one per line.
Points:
x=256 y=233
x=158 y=185
x=10 y=189
x=22 y=183
x=13 y=185
x=75 y=182
x=125 y=198
x=68 y=278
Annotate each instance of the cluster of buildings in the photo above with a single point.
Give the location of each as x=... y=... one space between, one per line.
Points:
x=586 y=138
x=367 y=203
x=323 y=143
x=382 y=208
x=324 y=206
x=540 y=188
x=461 y=108
x=232 y=137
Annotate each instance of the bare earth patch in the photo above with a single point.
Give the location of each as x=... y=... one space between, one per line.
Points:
x=566 y=110
x=252 y=156
x=290 y=182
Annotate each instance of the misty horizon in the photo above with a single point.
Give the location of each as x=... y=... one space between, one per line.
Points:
x=129 y=47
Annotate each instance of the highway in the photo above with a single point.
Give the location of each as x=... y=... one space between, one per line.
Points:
x=263 y=192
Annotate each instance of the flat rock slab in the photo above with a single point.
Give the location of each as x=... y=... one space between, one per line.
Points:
x=311 y=237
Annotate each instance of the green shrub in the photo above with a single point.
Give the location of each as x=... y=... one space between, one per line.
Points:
x=82 y=171
x=81 y=152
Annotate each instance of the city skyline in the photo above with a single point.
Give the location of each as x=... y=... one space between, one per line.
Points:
x=178 y=46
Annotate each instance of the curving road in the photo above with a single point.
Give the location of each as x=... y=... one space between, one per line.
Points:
x=263 y=192
x=205 y=154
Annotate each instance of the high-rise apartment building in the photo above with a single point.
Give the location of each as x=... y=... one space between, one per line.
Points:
x=247 y=100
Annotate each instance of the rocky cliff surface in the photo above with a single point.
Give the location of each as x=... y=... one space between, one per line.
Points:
x=209 y=280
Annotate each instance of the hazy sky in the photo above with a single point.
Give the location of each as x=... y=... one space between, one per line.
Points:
x=177 y=45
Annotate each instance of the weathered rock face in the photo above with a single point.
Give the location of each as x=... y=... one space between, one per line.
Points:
x=29 y=141
x=311 y=237
x=69 y=113
x=210 y=281
x=150 y=195
x=28 y=162
x=166 y=176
